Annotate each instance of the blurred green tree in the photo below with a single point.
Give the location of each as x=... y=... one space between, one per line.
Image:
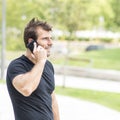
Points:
x=67 y=15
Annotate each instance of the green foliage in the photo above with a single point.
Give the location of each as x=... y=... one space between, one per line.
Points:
x=102 y=40
x=67 y=15
x=83 y=39
x=106 y=40
x=68 y=38
x=100 y=9
x=107 y=99
x=15 y=44
x=14 y=41
x=116 y=9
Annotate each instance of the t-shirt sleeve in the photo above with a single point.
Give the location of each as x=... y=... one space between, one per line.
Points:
x=14 y=69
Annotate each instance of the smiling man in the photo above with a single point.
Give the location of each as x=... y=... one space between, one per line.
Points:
x=30 y=78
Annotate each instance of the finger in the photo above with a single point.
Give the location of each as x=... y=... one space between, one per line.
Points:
x=32 y=55
x=39 y=48
x=35 y=46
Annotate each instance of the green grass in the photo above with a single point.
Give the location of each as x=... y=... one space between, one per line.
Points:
x=103 y=59
x=111 y=100
x=106 y=59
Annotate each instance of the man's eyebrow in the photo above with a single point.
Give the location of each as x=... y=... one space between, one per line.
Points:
x=47 y=37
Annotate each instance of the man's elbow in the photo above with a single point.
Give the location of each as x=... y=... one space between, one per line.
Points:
x=26 y=92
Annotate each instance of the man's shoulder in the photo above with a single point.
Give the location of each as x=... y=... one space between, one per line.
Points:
x=50 y=65
x=15 y=60
x=49 y=62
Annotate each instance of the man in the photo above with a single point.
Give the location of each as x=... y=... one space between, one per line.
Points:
x=30 y=78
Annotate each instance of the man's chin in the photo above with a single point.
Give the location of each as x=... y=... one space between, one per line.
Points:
x=48 y=54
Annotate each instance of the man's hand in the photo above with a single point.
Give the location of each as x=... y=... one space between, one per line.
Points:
x=39 y=53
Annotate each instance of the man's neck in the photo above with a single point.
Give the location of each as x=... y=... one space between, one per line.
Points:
x=30 y=56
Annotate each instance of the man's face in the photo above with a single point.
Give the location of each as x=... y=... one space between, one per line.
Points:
x=44 y=39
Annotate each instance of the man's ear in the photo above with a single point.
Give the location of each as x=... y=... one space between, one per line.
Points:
x=30 y=40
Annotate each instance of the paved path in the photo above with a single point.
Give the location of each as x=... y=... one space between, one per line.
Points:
x=73 y=109
x=70 y=108
x=88 y=83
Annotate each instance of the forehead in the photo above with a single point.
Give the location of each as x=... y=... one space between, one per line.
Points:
x=42 y=32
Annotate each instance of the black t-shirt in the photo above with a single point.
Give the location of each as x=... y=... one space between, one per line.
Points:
x=38 y=106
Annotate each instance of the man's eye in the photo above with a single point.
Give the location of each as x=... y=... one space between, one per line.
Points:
x=44 y=39
x=47 y=39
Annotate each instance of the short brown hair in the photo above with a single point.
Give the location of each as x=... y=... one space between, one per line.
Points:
x=30 y=29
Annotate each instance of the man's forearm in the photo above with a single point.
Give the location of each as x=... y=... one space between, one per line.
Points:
x=55 y=107
x=28 y=82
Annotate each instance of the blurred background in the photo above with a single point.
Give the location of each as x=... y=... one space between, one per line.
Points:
x=79 y=26
x=86 y=37
x=85 y=32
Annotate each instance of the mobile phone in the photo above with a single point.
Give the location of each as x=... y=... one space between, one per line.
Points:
x=31 y=45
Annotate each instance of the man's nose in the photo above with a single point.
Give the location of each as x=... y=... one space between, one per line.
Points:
x=50 y=41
